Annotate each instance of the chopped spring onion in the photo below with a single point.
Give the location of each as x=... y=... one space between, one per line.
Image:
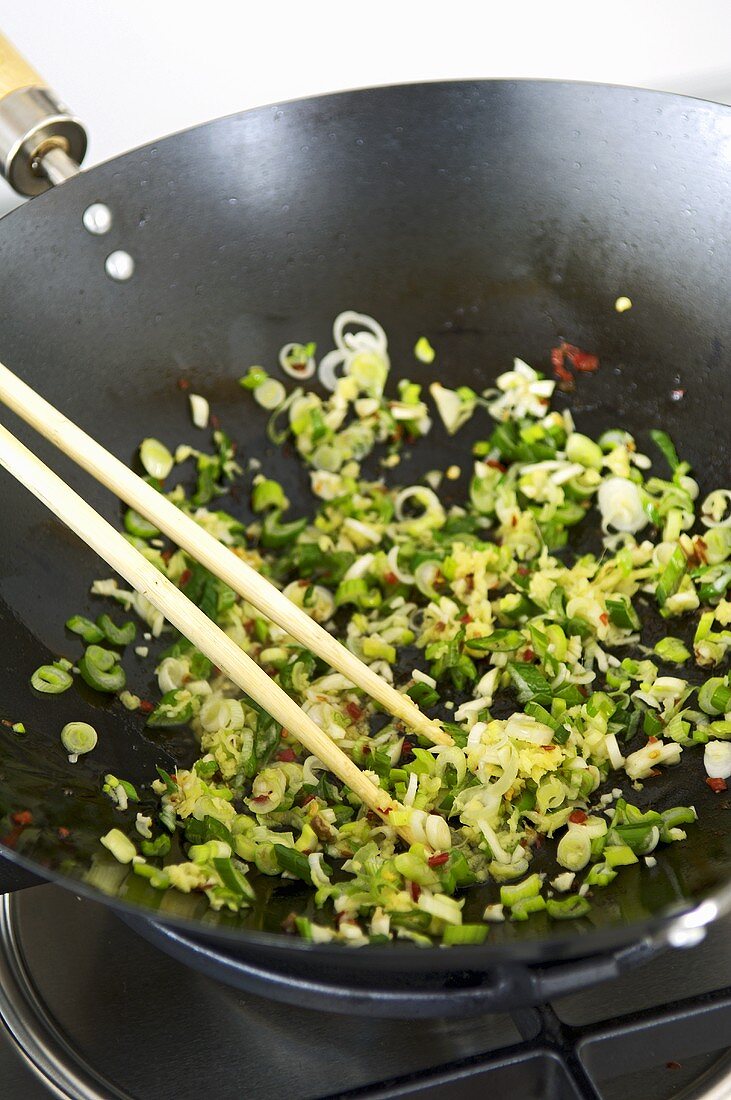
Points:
x=156 y=458
x=620 y=503
x=199 y=410
x=119 y=845
x=714 y=696
x=267 y=494
x=270 y=394
x=455 y=407
x=464 y=933
x=716 y=509
x=567 y=908
x=423 y=351
x=298 y=360
x=664 y=443
x=717 y=759
x=116 y=635
x=100 y=669
x=253 y=378
x=574 y=848
x=138 y=526
x=87 y=630
x=78 y=738
x=51 y=680
x=672 y=650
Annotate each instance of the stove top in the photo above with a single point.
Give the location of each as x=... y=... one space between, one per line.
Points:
x=92 y=1012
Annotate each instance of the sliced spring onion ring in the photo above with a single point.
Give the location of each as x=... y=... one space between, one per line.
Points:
x=156 y=458
x=78 y=738
x=271 y=394
x=296 y=361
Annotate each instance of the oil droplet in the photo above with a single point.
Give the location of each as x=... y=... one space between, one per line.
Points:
x=119 y=265
x=97 y=218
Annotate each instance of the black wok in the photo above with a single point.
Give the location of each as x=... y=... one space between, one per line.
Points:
x=495 y=218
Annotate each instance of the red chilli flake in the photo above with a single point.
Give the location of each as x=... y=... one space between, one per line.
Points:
x=286 y=755
x=183 y=384
x=582 y=361
x=146 y=706
x=22 y=818
x=63 y=832
x=406 y=748
x=604 y=618
x=354 y=711
x=438 y=859
x=578 y=817
x=717 y=785
x=495 y=465
x=390 y=578
x=652 y=740
x=415 y=890
x=184 y=578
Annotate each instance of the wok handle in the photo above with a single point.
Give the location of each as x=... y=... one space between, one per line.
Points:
x=41 y=142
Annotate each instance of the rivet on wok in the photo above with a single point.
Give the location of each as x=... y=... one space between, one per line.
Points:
x=119 y=265
x=97 y=218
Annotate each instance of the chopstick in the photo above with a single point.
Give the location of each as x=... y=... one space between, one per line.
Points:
x=81 y=518
x=218 y=559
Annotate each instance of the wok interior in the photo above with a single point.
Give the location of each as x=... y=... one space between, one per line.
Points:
x=493 y=218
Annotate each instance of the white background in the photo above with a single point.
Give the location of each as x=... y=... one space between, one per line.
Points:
x=137 y=69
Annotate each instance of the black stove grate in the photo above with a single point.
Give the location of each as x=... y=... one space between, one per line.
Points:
x=663 y=1053
x=98 y=1012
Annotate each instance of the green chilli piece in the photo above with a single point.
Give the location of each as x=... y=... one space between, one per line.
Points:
x=51 y=680
x=78 y=738
x=85 y=628
x=100 y=669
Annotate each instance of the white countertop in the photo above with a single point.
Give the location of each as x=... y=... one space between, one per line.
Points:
x=140 y=69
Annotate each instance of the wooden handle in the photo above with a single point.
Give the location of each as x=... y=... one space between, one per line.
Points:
x=15 y=72
x=81 y=518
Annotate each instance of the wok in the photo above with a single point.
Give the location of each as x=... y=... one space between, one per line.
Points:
x=493 y=217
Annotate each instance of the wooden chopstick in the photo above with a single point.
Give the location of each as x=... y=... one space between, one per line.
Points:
x=81 y=518
x=189 y=535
